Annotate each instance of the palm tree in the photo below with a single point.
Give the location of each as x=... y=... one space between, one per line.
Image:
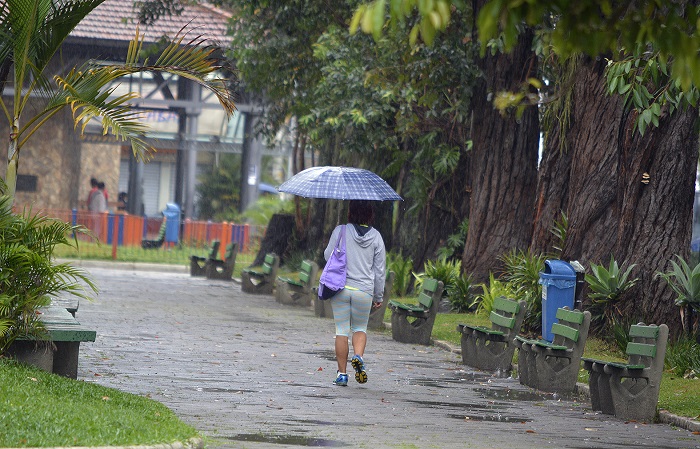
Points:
x=32 y=31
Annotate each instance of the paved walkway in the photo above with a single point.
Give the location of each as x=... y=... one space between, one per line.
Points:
x=251 y=373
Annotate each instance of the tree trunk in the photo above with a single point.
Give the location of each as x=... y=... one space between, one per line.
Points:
x=504 y=158
x=611 y=210
x=279 y=233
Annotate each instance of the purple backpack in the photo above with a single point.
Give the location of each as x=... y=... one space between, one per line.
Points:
x=333 y=276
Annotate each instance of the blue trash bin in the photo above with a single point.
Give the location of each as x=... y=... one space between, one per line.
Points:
x=172 y=222
x=558 y=290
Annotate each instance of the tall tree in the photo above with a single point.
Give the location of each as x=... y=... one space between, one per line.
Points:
x=32 y=31
x=625 y=195
x=505 y=162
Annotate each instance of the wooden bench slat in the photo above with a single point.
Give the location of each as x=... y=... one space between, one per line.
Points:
x=501 y=303
x=565 y=331
x=546 y=344
x=642 y=349
x=503 y=321
x=625 y=366
x=572 y=316
x=430 y=285
x=644 y=331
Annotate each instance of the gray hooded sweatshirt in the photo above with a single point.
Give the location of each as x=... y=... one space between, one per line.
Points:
x=366 y=258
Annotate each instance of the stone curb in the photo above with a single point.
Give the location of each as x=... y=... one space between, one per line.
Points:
x=664 y=417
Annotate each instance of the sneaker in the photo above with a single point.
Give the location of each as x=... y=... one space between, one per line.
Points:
x=359 y=365
x=341 y=380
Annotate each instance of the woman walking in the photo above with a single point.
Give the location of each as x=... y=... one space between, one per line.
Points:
x=364 y=287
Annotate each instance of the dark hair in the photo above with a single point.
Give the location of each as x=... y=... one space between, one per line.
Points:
x=100 y=185
x=361 y=212
x=93 y=182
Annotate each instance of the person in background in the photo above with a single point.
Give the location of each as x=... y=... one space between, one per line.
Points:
x=122 y=201
x=364 y=288
x=93 y=190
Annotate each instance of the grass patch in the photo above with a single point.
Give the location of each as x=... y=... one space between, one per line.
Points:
x=40 y=409
x=175 y=255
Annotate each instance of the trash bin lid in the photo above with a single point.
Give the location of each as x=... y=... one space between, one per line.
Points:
x=558 y=269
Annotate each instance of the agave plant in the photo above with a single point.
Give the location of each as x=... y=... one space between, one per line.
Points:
x=29 y=277
x=685 y=282
x=606 y=286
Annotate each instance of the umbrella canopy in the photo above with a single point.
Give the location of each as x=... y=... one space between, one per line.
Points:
x=340 y=183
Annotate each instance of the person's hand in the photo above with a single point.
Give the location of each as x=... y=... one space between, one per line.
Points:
x=376 y=305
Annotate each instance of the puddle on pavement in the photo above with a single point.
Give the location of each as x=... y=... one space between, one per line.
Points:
x=444 y=382
x=459 y=405
x=295 y=440
x=224 y=390
x=516 y=395
x=325 y=354
x=497 y=417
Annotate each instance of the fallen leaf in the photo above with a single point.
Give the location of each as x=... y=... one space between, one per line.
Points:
x=530 y=431
x=33 y=379
x=320 y=368
x=105 y=398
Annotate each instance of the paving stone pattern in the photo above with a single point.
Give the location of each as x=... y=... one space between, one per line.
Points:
x=249 y=372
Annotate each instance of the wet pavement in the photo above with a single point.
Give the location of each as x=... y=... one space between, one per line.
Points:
x=248 y=372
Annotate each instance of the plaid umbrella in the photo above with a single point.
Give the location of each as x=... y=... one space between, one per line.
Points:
x=340 y=183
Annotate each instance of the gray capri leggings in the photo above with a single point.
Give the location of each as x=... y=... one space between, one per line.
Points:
x=351 y=310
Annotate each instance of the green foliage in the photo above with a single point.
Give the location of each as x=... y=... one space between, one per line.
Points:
x=219 y=190
x=606 y=286
x=683 y=358
x=403 y=268
x=454 y=246
x=461 y=294
x=633 y=76
x=29 y=277
x=457 y=286
x=597 y=27
x=442 y=270
x=261 y=212
x=685 y=283
x=435 y=16
x=522 y=273
x=489 y=292
x=559 y=230
x=41 y=409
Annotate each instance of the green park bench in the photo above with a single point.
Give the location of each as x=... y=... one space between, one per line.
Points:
x=492 y=348
x=261 y=281
x=413 y=323
x=59 y=353
x=554 y=366
x=223 y=268
x=198 y=264
x=298 y=291
x=631 y=390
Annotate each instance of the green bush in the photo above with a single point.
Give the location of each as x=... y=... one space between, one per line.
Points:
x=522 y=273
x=490 y=292
x=402 y=267
x=30 y=277
x=683 y=358
x=461 y=294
